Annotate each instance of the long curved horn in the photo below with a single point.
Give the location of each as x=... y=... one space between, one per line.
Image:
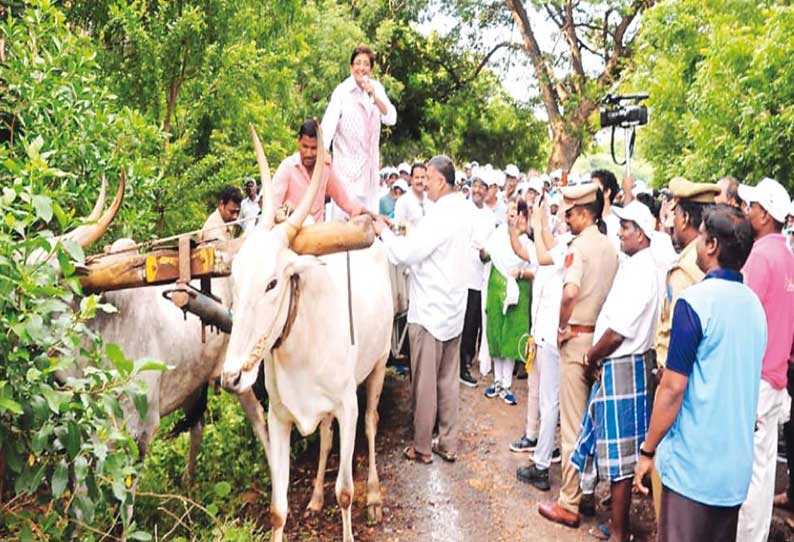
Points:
x=90 y=233
x=269 y=206
x=100 y=202
x=295 y=220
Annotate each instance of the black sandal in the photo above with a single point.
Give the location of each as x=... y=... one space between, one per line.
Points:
x=449 y=457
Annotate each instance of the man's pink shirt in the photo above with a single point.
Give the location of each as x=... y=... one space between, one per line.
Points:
x=769 y=272
x=292 y=179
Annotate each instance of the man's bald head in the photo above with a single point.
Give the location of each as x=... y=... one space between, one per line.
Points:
x=729 y=191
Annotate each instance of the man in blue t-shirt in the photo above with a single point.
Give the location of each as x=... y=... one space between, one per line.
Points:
x=704 y=412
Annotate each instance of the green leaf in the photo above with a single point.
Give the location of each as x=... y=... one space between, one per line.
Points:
x=10 y=405
x=140 y=535
x=212 y=508
x=141 y=404
x=72 y=440
x=67 y=267
x=80 y=469
x=25 y=533
x=60 y=477
x=86 y=507
x=122 y=364
x=222 y=489
x=74 y=249
x=149 y=365
x=57 y=210
x=43 y=207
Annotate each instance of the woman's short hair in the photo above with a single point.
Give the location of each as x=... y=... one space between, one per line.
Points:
x=363 y=50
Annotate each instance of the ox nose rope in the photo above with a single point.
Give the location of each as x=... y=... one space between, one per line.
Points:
x=259 y=349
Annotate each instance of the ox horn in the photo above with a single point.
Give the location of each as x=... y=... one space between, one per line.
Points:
x=269 y=207
x=100 y=202
x=90 y=233
x=295 y=220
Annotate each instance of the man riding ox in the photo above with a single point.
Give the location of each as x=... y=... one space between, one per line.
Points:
x=321 y=326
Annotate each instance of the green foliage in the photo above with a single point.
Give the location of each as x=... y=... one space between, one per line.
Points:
x=721 y=89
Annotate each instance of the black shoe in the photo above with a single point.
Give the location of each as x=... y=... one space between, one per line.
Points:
x=556 y=456
x=539 y=478
x=466 y=379
x=587 y=505
x=521 y=374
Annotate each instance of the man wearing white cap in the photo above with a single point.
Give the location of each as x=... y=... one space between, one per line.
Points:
x=389 y=201
x=511 y=181
x=620 y=363
x=404 y=170
x=493 y=201
x=769 y=272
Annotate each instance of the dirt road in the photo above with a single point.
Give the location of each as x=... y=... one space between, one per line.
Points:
x=476 y=499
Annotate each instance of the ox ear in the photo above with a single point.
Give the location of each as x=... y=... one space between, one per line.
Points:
x=300 y=264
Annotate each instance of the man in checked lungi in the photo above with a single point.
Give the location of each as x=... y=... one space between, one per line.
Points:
x=619 y=364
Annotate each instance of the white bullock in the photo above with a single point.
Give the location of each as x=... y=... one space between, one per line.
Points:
x=293 y=313
x=146 y=325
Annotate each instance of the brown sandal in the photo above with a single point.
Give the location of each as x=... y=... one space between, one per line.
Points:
x=411 y=454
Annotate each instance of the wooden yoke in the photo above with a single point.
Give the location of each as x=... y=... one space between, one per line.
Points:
x=117 y=271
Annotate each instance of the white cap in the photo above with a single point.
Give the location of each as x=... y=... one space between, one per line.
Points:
x=641 y=187
x=556 y=174
x=522 y=187
x=770 y=195
x=638 y=213
x=401 y=184
x=536 y=184
x=512 y=171
x=791 y=209
x=497 y=178
x=404 y=167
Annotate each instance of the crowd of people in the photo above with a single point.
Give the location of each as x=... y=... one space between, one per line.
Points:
x=655 y=327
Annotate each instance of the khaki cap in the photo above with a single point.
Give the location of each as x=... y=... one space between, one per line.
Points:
x=581 y=194
x=684 y=189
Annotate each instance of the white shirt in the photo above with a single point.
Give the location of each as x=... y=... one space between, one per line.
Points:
x=547 y=294
x=632 y=305
x=248 y=208
x=436 y=252
x=409 y=209
x=665 y=256
x=483 y=223
x=613 y=229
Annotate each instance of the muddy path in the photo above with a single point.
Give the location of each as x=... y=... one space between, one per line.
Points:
x=476 y=499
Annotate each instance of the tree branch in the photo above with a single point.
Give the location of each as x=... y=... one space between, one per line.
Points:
x=568 y=29
x=551 y=99
x=612 y=68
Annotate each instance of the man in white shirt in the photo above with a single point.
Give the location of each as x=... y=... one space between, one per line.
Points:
x=249 y=207
x=619 y=362
x=410 y=208
x=483 y=224
x=435 y=252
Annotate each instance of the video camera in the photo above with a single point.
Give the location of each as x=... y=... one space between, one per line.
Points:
x=614 y=111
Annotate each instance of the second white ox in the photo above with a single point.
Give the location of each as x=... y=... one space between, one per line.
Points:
x=320 y=333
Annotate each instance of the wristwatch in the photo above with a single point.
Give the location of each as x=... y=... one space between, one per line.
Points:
x=646 y=453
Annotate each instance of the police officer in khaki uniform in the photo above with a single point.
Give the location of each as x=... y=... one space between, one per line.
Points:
x=689 y=201
x=590 y=267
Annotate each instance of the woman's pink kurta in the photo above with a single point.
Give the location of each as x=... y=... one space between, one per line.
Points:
x=353 y=122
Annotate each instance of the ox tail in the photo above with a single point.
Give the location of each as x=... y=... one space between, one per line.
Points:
x=194 y=413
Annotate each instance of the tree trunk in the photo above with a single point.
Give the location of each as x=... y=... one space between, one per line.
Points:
x=566 y=145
